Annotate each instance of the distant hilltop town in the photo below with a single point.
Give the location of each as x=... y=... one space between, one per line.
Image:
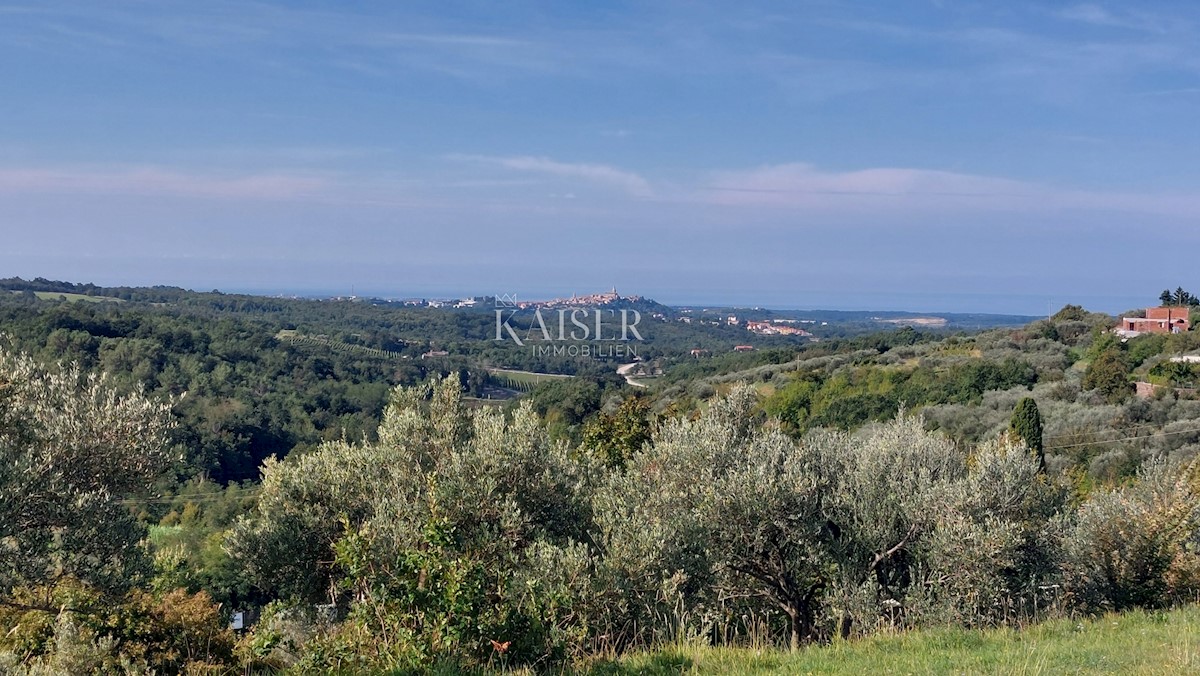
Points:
x=504 y=300
x=588 y=300
x=773 y=327
x=507 y=300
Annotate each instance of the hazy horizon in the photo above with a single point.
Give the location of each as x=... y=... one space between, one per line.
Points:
x=887 y=302
x=993 y=157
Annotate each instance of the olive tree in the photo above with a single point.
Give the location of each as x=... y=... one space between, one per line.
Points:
x=1135 y=546
x=892 y=524
x=439 y=538
x=769 y=531
x=929 y=532
x=71 y=449
x=890 y=478
x=994 y=555
x=715 y=508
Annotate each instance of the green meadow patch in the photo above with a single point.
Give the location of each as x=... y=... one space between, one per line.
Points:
x=1130 y=643
x=74 y=297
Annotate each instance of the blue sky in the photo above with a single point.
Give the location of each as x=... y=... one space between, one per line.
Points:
x=991 y=156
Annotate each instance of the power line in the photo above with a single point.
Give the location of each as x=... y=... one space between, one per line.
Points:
x=1129 y=428
x=1114 y=441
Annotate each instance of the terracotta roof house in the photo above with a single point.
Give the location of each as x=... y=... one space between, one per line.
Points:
x=1173 y=319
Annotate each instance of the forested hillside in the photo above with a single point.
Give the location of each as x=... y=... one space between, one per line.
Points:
x=256 y=377
x=173 y=457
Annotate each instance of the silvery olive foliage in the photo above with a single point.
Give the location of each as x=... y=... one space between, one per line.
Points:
x=719 y=525
x=716 y=510
x=993 y=555
x=486 y=475
x=929 y=532
x=1135 y=546
x=71 y=448
x=890 y=495
x=456 y=528
x=892 y=525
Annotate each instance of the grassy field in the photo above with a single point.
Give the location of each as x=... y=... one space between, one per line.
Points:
x=291 y=336
x=1132 y=643
x=74 y=297
x=523 y=381
x=528 y=375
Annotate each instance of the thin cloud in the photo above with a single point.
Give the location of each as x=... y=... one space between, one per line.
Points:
x=799 y=183
x=600 y=174
x=257 y=32
x=1097 y=15
x=1062 y=67
x=888 y=190
x=291 y=156
x=157 y=181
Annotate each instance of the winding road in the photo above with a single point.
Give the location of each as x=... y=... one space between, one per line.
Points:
x=624 y=369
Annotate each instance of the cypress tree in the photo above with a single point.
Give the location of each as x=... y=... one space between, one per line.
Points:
x=1026 y=425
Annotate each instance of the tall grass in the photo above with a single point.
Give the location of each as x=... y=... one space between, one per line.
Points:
x=1129 y=643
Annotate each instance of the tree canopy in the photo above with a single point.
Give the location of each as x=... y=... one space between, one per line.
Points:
x=71 y=450
x=1178 y=297
x=1026 y=427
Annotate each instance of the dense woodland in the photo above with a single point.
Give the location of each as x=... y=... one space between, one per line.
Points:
x=170 y=457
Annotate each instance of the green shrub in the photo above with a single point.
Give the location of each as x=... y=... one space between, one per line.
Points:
x=1130 y=546
x=168 y=633
x=428 y=531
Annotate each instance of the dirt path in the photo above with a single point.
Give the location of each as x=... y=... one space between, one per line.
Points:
x=624 y=369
